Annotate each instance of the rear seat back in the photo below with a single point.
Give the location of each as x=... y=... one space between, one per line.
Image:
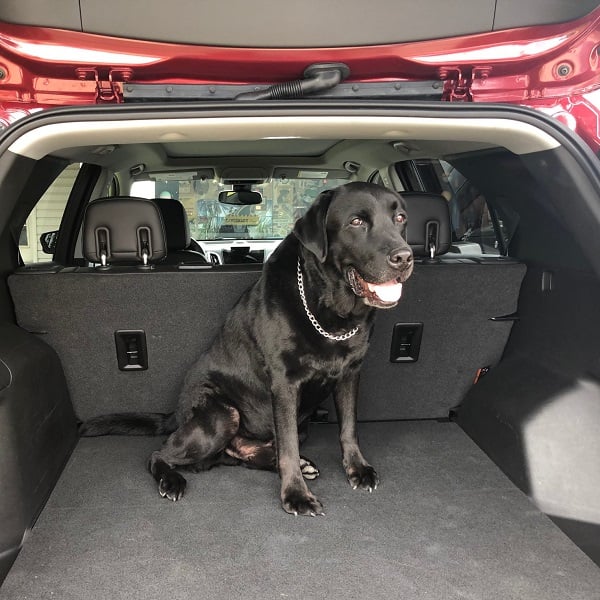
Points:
x=455 y=301
x=77 y=312
x=446 y=319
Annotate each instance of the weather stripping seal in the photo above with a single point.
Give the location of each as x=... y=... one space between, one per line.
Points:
x=516 y=136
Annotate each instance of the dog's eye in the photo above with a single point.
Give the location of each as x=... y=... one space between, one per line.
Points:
x=400 y=218
x=356 y=222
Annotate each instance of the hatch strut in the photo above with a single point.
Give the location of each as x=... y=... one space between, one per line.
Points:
x=317 y=78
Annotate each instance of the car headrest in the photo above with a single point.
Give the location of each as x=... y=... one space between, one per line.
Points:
x=176 y=223
x=428 y=228
x=123 y=229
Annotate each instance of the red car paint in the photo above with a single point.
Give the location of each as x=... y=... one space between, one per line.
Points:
x=554 y=68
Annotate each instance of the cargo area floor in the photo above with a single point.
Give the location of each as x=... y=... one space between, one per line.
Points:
x=445 y=523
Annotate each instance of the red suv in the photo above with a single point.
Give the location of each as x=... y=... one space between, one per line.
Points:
x=479 y=399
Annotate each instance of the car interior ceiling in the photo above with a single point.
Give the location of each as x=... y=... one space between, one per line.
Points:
x=525 y=322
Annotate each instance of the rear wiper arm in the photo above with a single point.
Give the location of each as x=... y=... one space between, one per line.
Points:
x=317 y=78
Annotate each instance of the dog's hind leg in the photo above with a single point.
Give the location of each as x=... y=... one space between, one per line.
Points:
x=197 y=444
x=256 y=454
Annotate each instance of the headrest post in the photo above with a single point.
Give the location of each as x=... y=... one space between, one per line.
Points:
x=432 y=235
x=144 y=246
x=103 y=245
x=432 y=231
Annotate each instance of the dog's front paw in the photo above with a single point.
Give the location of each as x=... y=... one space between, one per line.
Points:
x=363 y=477
x=171 y=486
x=301 y=502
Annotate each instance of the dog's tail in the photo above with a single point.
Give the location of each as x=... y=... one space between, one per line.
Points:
x=129 y=424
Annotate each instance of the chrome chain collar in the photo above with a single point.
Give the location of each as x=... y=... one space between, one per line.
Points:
x=312 y=318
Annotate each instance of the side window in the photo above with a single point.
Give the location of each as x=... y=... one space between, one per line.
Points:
x=45 y=218
x=473 y=229
x=476 y=229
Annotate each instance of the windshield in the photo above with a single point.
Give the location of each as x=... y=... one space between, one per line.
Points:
x=283 y=201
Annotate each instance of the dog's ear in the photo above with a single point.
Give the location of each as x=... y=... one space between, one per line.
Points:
x=311 y=229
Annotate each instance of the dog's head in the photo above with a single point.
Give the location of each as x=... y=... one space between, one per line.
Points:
x=360 y=230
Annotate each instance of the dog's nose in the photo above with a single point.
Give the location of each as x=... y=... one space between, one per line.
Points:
x=400 y=257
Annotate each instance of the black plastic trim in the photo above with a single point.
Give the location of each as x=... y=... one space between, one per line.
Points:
x=143 y=92
x=73 y=216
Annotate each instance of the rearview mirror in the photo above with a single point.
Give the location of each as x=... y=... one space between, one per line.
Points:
x=240 y=197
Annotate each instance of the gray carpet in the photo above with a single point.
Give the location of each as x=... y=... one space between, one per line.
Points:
x=444 y=524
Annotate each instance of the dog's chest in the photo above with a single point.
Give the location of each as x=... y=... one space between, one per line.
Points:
x=320 y=379
x=331 y=363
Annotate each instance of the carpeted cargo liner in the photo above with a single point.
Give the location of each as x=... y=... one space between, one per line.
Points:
x=445 y=523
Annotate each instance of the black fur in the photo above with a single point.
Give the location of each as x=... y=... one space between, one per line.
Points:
x=129 y=424
x=249 y=397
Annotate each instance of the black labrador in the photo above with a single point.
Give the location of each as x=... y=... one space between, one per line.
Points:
x=295 y=337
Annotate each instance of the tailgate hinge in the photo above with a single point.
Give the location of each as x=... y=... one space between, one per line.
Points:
x=458 y=82
x=108 y=89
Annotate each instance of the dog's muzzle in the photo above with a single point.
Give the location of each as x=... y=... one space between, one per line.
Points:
x=380 y=295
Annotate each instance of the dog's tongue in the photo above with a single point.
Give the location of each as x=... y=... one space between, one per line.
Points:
x=387 y=292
